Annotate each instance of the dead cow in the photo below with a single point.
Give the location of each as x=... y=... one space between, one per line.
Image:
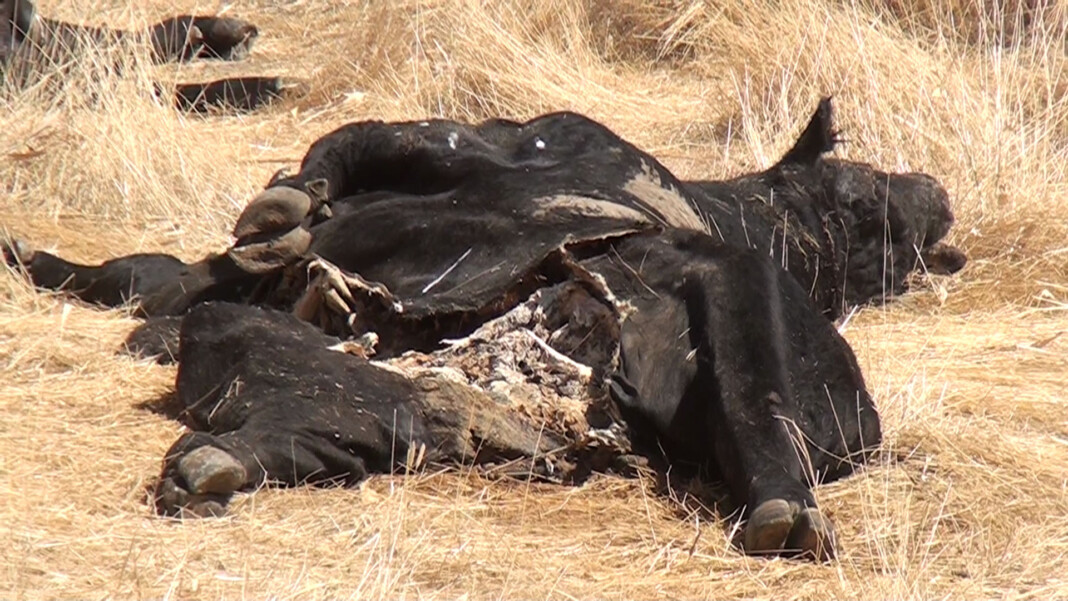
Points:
x=668 y=297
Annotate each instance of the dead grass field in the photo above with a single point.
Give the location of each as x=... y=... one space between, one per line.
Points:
x=969 y=499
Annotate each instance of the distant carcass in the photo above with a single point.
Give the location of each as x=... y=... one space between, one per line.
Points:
x=32 y=45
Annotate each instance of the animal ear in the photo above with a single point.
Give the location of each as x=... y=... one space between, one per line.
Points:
x=272 y=211
x=319 y=190
x=819 y=137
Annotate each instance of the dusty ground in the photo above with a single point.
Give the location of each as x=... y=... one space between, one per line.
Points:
x=968 y=500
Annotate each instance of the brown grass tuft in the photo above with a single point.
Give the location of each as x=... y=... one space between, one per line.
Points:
x=968 y=499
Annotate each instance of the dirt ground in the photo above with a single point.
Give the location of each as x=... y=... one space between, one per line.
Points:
x=969 y=498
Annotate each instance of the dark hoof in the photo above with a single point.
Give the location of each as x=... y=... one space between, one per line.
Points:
x=211 y=470
x=275 y=210
x=174 y=501
x=812 y=536
x=204 y=509
x=207 y=477
x=778 y=527
x=289 y=87
x=769 y=526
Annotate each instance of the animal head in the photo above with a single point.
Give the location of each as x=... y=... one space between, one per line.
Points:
x=890 y=225
x=905 y=208
x=188 y=37
x=880 y=224
x=177 y=38
x=909 y=205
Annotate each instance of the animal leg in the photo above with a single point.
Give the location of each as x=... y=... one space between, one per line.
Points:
x=240 y=94
x=112 y=283
x=202 y=471
x=736 y=306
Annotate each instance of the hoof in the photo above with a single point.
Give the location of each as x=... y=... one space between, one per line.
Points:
x=206 y=479
x=293 y=88
x=812 y=536
x=778 y=527
x=203 y=509
x=275 y=210
x=769 y=526
x=175 y=501
x=16 y=252
x=264 y=257
x=211 y=470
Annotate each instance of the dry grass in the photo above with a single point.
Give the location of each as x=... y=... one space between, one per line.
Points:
x=969 y=499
